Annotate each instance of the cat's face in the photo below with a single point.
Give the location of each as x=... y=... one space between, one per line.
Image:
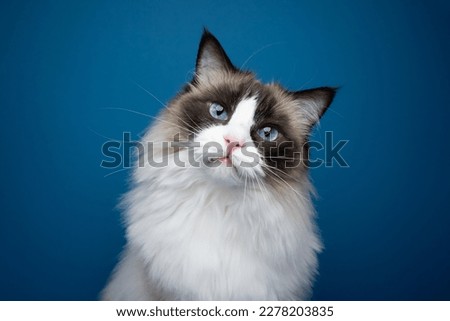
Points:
x=245 y=130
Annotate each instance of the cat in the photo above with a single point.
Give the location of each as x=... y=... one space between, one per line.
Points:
x=239 y=224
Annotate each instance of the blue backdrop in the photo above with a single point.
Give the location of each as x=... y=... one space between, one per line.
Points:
x=385 y=220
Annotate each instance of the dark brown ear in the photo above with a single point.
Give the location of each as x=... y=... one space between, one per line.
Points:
x=314 y=102
x=211 y=56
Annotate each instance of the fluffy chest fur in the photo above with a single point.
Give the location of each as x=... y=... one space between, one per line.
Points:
x=202 y=242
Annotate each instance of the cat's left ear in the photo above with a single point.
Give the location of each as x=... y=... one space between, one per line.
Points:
x=314 y=102
x=211 y=57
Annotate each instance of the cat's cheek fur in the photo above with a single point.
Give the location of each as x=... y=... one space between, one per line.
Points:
x=249 y=163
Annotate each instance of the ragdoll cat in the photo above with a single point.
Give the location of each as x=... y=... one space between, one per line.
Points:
x=230 y=216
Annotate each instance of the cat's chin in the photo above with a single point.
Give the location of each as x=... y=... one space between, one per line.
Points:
x=225 y=173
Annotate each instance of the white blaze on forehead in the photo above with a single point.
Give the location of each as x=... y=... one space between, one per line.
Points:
x=243 y=117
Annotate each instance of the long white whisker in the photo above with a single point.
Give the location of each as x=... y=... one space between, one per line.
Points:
x=245 y=187
x=260 y=50
x=154 y=97
x=274 y=168
x=117 y=171
x=280 y=157
x=162 y=104
x=103 y=136
x=196 y=129
x=332 y=110
x=265 y=192
x=129 y=110
x=153 y=117
x=285 y=182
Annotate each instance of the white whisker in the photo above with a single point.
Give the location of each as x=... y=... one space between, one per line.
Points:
x=103 y=136
x=117 y=171
x=285 y=182
x=148 y=92
x=260 y=50
x=153 y=117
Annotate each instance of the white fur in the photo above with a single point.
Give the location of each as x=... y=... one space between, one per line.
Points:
x=197 y=234
x=242 y=119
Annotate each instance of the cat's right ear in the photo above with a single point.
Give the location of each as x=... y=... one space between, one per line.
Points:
x=211 y=57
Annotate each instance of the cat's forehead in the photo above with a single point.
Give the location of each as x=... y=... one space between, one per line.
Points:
x=228 y=89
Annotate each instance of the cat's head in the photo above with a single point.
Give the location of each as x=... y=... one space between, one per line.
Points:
x=244 y=129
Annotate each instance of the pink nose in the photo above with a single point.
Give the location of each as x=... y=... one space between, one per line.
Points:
x=233 y=143
x=233 y=140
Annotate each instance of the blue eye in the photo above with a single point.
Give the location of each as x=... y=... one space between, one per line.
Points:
x=268 y=133
x=218 y=112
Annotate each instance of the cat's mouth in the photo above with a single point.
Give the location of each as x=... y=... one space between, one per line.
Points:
x=226 y=160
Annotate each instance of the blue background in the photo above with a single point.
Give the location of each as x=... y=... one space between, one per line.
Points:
x=385 y=220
